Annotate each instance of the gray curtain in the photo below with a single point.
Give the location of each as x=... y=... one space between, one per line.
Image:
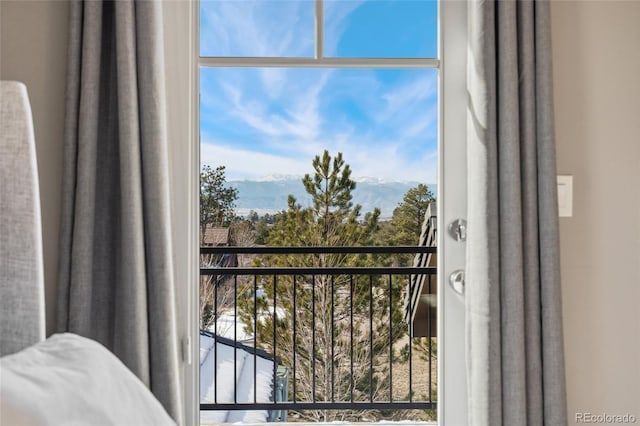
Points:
x=116 y=275
x=515 y=359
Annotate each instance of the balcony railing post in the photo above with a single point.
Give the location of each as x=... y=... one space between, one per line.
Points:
x=333 y=395
x=275 y=320
x=215 y=342
x=255 y=337
x=410 y=352
x=370 y=338
x=390 y=339
x=351 y=330
x=235 y=337
x=313 y=337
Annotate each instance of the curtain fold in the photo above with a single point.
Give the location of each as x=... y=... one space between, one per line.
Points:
x=515 y=360
x=116 y=280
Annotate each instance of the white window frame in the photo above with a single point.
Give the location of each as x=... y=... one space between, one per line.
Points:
x=452 y=383
x=181 y=29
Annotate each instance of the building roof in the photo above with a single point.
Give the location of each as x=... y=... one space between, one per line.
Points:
x=216 y=236
x=219 y=358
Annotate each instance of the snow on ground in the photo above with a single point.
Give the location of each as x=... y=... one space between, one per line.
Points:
x=225 y=324
x=224 y=327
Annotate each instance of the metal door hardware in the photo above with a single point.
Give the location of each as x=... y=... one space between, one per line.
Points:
x=458 y=230
x=456 y=281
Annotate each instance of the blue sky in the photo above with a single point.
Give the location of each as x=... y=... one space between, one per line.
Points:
x=266 y=121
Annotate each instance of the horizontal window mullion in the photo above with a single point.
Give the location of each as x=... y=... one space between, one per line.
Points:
x=398 y=63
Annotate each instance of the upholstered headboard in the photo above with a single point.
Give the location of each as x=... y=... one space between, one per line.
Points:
x=22 y=321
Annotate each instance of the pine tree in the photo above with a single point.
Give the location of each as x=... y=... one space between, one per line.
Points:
x=217 y=199
x=326 y=305
x=217 y=208
x=409 y=215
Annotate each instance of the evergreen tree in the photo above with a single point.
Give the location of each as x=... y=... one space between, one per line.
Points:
x=217 y=199
x=326 y=306
x=217 y=208
x=408 y=217
x=330 y=189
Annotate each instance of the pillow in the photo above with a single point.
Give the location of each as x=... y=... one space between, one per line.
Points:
x=71 y=380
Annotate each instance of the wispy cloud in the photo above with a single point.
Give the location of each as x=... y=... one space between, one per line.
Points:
x=248 y=164
x=423 y=123
x=408 y=94
x=256 y=28
x=388 y=131
x=337 y=15
x=294 y=115
x=382 y=160
x=271 y=120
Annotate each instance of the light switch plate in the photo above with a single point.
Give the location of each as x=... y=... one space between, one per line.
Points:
x=565 y=195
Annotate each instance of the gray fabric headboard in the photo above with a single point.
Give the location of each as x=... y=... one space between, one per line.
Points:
x=21 y=270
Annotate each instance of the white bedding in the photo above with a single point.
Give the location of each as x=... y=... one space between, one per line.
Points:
x=70 y=380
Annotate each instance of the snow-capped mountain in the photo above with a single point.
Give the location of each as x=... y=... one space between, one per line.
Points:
x=269 y=194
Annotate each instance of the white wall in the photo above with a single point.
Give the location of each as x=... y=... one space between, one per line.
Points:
x=597 y=100
x=33 y=49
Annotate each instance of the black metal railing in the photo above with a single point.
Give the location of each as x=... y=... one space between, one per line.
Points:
x=329 y=318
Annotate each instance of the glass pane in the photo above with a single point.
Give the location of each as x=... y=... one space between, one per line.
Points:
x=271 y=28
x=381 y=28
x=269 y=123
x=342 y=338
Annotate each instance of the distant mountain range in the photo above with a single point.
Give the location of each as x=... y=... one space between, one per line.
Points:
x=269 y=194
